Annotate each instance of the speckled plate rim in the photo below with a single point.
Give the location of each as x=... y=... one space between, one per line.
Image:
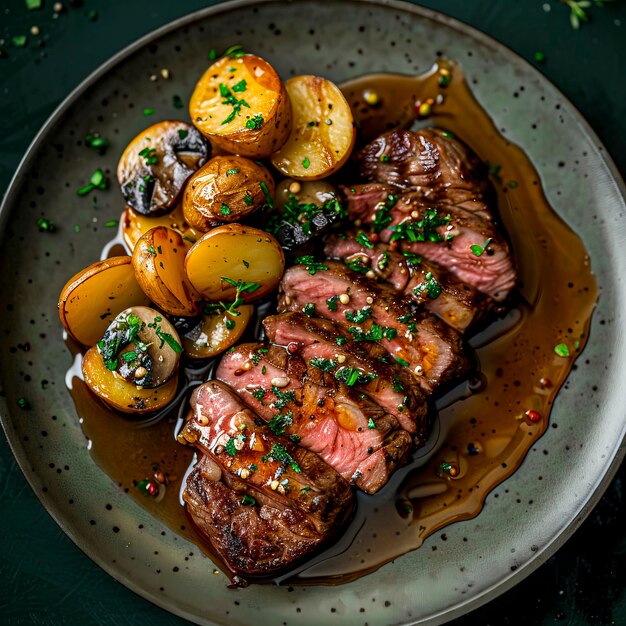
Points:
x=617 y=454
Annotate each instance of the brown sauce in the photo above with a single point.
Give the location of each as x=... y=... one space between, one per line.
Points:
x=478 y=440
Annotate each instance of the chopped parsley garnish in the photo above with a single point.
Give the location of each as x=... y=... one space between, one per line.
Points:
x=97 y=181
x=398 y=387
x=331 y=303
x=248 y=200
x=240 y=86
x=382 y=262
x=326 y=365
x=230 y=447
x=341 y=341
x=231 y=172
x=430 y=286
x=149 y=155
x=561 y=350
x=212 y=54
x=231 y=100
x=363 y=240
x=279 y=423
x=478 y=250
x=305 y=489
x=166 y=338
x=283 y=398
x=45 y=225
x=259 y=393
x=424 y=229
x=358 y=266
x=147 y=112
x=230 y=324
x=294 y=438
x=412 y=260
x=351 y=376
x=279 y=453
x=266 y=193
x=385 y=159
x=234 y=52
x=23 y=403
x=230 y=308
x=311 y=264
x=116 y=337
x=96 y=142
x=306 y=163
x=255 y=122
x=493 y=169
x=370 y=424
x=248 y=500
x=111 y=224
x=225 y=209
x=359 y=316
x=401 y=361
x=382 y=217
x=182 y=133
x=375 y=333
x=303 y=214
x=309 y=309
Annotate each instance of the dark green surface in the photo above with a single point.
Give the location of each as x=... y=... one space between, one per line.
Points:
x=45 y=578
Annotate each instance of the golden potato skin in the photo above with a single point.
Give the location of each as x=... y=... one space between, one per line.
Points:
x=235 y=252
x=121 y=394
x=226 y=189
x=92 y=298
x=323 y=131
x=212 y=334
x=158 y=261
x=134 y=224
x=220 y=92
x=156 y=164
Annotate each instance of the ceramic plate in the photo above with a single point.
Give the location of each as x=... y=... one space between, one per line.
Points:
x=342 y=39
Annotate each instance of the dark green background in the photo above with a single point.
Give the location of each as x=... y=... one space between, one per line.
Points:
x=44 y=578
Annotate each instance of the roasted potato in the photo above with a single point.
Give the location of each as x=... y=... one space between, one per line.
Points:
x=141 y=346
x=156 y=164
x=322 y=134
x=235 y=259
x=134 y=224
x=159 y=263
x=94 y=296
x=241 y=105
x=226 y=189
x=121 y=394
x=217 y=331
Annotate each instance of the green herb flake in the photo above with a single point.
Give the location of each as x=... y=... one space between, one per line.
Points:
x=331 y=303
x=279 y=453
x=212 y=54
x=182 y=133
x=359 y=316
x=19 y=41
x=311 y=264
x=341 y=341
x=561 y=350
x=401 y=361
x=96 y=142
x=45 y=225
x=306 y=163
x=230 y=324
x=266 y=193
x=326 y=365
x=111 y=224
x=233 y=101
x=309 y=309
x=430 y=286
x=248 y=500
x=230 y=448
x=177 y=102
x=363 y=240
x=76 y=228
x=478 y=250
x=305 y=489
x=279 y=423
x=248 y=200
x=385 y=159
x=259 y=393
x=424 y=229
x=234 y=52
x=23 y=403
x=255 y=122
x=225 y=209
x=148 y=111
x=166 y=338
x=513 y=184
x=232 y=171
x=240 y=86
x=33 y=5
x=370 y=424
x=539 y=57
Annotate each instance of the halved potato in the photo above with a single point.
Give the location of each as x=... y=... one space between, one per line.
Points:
x=231 y=256
x=216 y=332
x=323 y=132
x=156 y=163
x=159 y=262
x=121 y=394
x=226 y=189
x=92 y=298
x=241 y=105
x=134 y=224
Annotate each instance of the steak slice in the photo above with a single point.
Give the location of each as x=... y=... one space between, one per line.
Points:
x=350 y=432
x=439 y=167
x=323 y=341
x=252 y=537
x=444 y=235
x=428 y=347
x=438 y=291
x=273 y=468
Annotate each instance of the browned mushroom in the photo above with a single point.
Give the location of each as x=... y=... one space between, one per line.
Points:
x=156 y=164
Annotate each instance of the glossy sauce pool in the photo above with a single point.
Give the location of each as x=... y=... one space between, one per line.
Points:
x=485 y=426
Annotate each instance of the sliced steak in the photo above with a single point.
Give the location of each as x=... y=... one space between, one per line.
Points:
x=439 y=167
x=358 y=438
x=252 y=537
x=438 y=291
x=328 y=344
x=428 y=347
